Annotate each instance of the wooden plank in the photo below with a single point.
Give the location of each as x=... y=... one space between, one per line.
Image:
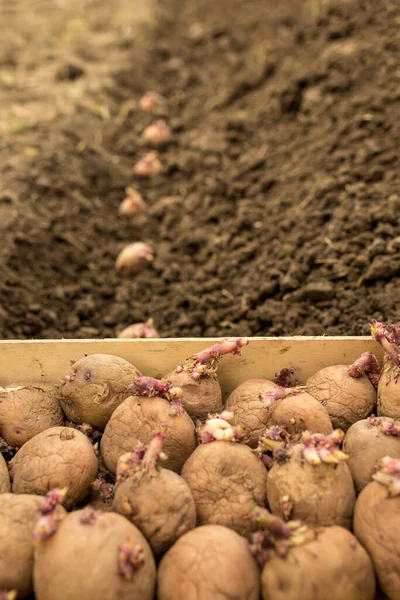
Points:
x=48 y=360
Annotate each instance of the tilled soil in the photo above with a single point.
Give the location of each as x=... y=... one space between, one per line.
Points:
x=278 y=209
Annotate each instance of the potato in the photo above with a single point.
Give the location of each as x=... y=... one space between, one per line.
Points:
x=197 y=377
x=318 y=494
x=18 y=516
x=388 y=336
x=135 y=421
x=84 y=559
x=94 y=388
x=135 y=257
x=377 y=526
x=333 y=565
x=5 y=485
x=366 y=442
x=26 y=410
x=298 y=413
x=161 y=506
x=56 y=458
x=200 y=397
x=208 y=563
x=389 y=390
x=347 y=399
x=227 y=482
x=247 y=404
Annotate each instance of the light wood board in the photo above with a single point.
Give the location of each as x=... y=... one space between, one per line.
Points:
x=48 y=360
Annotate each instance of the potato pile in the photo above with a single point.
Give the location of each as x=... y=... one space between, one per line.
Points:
x=117 y=485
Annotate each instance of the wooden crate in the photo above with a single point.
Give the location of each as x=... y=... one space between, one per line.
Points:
x=48 y=360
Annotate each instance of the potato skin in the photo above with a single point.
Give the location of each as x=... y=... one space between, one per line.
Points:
x=27 y=411
x=365 y=445
x=5 y=485
x=377 y=527
x=97 y=387
x=227 y=482
x=201 y=397
x=321 y=494
x=162 y=507
x=307 y=413
x=333 y=566
x=18 y=516
x=346 y=398
x=210 y=562
x=80 y=561
x=389 y=390
x=136 y=419
x=57 y=457
x=246 y=403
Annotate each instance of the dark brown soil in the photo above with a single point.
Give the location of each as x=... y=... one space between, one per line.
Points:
x=278 y=210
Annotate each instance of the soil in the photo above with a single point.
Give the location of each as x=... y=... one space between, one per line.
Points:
x=278 y=209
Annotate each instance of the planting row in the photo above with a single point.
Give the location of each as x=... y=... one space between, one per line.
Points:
x=137 y=256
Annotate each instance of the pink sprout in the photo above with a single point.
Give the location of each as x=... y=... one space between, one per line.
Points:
x=48 y=524
x=158 y=133
x=68 y=378
x=176 y=408
x=88 y=516
x=52 y=499
x=149 y=165
x=152 y=102
x=205 y=363
x=8 y=594
x=150 y=387
x=386 y=425
x=284 y=377
x=130 y=558
x=272 y=438
x=140 y=330
x=154 y=453
x=388 y=336
x=220 y=349
x=133 y=204
x=130 y=462
x=280 y=393
x=106 y=490
x=319 y=448
x=144 y=460
x=275 y=436
x=265 y=520
x=218 y=428
x=52 y=513
x=45 y=527
x=261 y=548
x=200 y=371
x=388 y=474
x=275 y=537
x=367 y=365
